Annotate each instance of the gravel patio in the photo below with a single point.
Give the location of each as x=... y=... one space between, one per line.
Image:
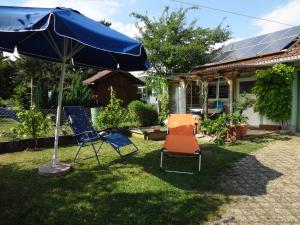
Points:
x=265 y=186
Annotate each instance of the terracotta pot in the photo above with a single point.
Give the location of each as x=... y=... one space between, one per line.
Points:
x=234 y=133
x=244 y=129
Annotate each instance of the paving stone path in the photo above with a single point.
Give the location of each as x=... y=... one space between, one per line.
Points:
x=265 y=186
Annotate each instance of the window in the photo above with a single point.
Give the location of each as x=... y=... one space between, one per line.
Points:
x=223 y=91
x=246 y=86
x=193 y=94
x=143 y=93
x=212 y=91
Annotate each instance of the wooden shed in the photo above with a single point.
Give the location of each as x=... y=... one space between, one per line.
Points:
x=123 y=83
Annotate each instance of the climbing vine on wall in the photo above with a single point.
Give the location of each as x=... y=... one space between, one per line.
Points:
x=274 y=94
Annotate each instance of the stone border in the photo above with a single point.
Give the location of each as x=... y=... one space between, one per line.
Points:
x=46 y=142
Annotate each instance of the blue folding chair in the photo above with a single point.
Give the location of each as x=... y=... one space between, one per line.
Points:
x=117 y=141
x=9 y=114
x=85 y=133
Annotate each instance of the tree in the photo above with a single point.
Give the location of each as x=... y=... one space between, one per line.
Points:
x=173 y=46
x=274 y=94
x=41 y=75
x=78 y=93
x=7 y=77
x=105 y=22
x=34 y=124
x=112 y=115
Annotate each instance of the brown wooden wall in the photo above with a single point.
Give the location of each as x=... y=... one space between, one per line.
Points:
x=125 y=88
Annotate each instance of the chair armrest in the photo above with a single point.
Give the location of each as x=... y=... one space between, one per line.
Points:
x=85 y=132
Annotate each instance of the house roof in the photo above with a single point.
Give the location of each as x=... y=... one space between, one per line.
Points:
x=107 y=73
x=289 y=55
x=258 y=46
x=256 y=52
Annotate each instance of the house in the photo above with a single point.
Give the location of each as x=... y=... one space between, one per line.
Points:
x=123 y=83
x=232 y=71
x=145 y=93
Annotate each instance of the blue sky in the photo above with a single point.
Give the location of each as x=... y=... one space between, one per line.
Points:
x=117 y=11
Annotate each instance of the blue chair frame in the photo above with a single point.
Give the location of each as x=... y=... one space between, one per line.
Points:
x=9 y=114
x=85 y=133
x=118 y=140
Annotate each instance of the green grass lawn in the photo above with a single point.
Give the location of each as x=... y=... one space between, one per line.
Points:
x=6 y=125
x=128 y=191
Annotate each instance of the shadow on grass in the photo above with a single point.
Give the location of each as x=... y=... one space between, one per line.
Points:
x=250 y=177
x=87 y=197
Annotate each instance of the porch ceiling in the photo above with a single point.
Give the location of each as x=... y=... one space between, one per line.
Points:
x=227 y=71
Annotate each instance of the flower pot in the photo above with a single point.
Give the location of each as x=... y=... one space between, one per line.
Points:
x=244 y=129
x=234 y=132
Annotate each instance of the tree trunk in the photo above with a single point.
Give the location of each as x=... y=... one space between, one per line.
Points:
x=31 y=94
x=205 y=90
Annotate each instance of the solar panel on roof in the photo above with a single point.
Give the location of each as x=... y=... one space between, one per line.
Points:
x=221 y=57
x=293 y=31
x=260 y=45
x=273 y=36
x=276 y=46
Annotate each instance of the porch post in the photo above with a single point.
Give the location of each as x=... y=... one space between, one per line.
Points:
x=182 y=97
x=230 y=83
x=205 y=91
x=218 y=90
x=295 y=100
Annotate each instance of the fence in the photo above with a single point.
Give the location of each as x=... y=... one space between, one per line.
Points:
x=7 y=124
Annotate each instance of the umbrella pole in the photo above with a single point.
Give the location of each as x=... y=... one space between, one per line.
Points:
x=56 y=168
x=58 y=113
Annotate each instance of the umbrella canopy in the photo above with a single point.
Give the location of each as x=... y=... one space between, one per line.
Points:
x=64 y=35
x=42 y=33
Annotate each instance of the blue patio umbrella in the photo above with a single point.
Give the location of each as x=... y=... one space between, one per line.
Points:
x=66 y=36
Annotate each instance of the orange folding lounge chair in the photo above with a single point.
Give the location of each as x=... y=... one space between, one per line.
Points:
x=181 y=140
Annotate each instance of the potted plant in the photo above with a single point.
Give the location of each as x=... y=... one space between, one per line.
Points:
x=234 y=127
x=217 y=128
x=245 y=102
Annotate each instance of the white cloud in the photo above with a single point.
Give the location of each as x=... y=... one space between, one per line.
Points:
x=94 y=9
x=128 y=29
x=287 y=13
x=220 y=45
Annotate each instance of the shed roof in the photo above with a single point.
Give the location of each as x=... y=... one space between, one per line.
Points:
x=108 y=73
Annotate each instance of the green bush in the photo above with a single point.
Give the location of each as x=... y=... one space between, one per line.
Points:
x=33 y=123
x=142 y=114
x=113 y=115
x=244 y=103
x=21 y=96
x=2 y=104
